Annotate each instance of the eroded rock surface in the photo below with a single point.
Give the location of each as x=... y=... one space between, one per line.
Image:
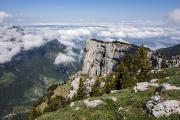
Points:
x=74 y=86
x=101 y=57
x=159 y=107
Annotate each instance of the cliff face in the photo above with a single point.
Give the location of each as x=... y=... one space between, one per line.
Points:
x=101 y=57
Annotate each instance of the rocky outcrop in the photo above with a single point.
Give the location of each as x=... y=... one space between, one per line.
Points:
x=100 y=57
x=156 y=62
x=89 y=82
x=142 y=86
x=74 y=86
x=166 y=57
x=93 y=103
x=159 y=107
x=167 y=86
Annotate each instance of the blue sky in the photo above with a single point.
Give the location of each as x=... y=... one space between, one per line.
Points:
x=88 y=10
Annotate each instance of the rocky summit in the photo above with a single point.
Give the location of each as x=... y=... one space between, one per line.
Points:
x=101 y=57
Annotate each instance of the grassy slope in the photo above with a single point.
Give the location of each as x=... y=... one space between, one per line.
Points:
x=134 y=105
x=60 y=90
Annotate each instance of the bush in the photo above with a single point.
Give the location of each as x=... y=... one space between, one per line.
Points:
x=110 y=84
x=34 y=114
x=52 y=87
x=55 y=103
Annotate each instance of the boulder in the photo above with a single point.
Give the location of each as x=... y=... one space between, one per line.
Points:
x=77 y=108
x=120 y=109
x=153 y=80
x=142 y=86
x=93 y=103
x=112 y=98
x=72 y=104
x=168 y=86
x=115 y=91
x=159 y=107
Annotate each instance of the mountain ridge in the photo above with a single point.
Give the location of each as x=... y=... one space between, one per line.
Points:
x=170 y=51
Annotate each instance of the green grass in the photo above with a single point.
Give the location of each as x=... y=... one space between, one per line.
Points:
x=175 y=80
x=7 y=78
x=133 y=104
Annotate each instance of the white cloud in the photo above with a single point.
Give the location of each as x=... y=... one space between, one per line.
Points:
x=64 y=58
x=7 y=54
x=32 y=41
x=3 y=16
x=70 y=34
x=13 y=40
x=67 y=57
x=146 y=34
x=175 y=15
x=49 y=34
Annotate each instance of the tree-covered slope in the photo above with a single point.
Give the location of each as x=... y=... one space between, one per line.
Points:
x=170 y=51
x=28 y=75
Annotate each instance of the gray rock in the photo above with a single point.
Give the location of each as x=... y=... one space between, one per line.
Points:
x=142 y=86
x=159 y=62
x=115 y=91
x=101 y=57
x=168 y=86
x=159 y=107
x=156 y=62
x=93 y=103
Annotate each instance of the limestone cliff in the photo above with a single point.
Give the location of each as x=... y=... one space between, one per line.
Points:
x=101 y=57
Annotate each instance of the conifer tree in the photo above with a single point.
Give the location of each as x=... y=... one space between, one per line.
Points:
x=110 y=83
x=81 y=92
x=96 y=90
x=133 y=69
x=125 y=75
x=142 y=64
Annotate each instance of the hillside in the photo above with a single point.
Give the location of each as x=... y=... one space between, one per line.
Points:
x=100 y=59
x=170 y=51
x=123 y=104
x=26 y=77
x=117 y=81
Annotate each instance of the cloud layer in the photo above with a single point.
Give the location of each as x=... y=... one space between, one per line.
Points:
x=14 y=40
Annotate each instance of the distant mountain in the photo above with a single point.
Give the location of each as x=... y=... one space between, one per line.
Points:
x=170 y=51
x=27 y=76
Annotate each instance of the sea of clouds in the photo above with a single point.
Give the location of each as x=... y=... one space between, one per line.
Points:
x=14 y=40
